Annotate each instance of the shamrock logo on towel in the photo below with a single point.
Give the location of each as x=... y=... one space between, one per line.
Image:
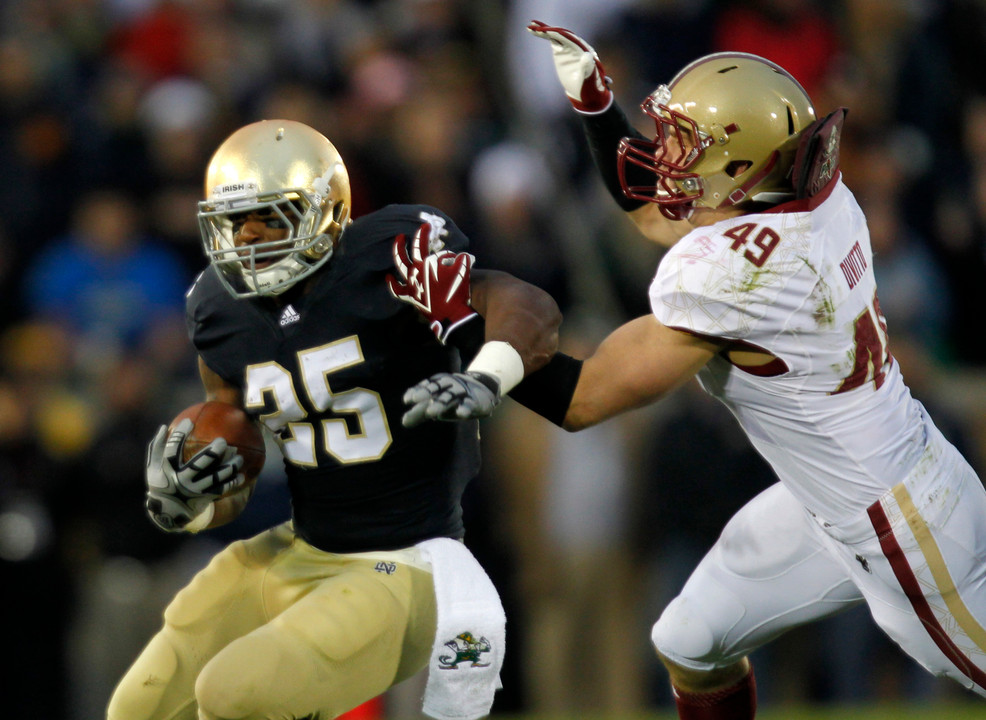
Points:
x=465 y=648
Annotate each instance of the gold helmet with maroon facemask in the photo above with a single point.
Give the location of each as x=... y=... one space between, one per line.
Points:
x=727 y=132
x=294 y=179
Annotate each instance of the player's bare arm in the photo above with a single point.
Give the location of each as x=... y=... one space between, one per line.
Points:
x=636 y=365
x=517 y=313
x=518 y=334
x=571 y=393
x=449 y=293
x=218 y=389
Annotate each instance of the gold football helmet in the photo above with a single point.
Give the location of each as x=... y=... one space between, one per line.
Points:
x=294 y=179
x=727 y=131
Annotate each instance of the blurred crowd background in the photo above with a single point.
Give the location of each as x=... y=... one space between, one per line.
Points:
x=109 y=110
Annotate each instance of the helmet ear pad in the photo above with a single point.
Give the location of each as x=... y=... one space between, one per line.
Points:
x=816 y=160
x=339 y=217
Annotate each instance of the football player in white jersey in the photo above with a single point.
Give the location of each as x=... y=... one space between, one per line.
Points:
x=767 y=295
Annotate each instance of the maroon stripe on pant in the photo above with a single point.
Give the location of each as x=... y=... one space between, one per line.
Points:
x=905 y=576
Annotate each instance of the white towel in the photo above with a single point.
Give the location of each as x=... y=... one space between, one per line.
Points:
x=464 y=670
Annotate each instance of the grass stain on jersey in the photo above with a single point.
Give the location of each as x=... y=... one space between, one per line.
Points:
x=757 y=278
x=821 y=296
x=824 y=312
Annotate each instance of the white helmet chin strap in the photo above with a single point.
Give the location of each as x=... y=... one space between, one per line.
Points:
x=271 y=280
x=282 y=275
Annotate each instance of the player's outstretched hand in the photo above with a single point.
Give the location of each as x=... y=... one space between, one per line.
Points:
x=179 y=491
x=581 y=73
x=436 y=284
x=452 y=396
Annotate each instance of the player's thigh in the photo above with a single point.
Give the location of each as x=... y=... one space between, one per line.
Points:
x=768 y=572
x=345 y=642
x=222 y=602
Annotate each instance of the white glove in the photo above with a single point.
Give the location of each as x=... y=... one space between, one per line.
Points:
x=452 y=396
x=581 y=73
x=179 y=492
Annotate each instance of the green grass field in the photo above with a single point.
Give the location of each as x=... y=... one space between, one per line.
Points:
x=974 y=711
x=883 y=712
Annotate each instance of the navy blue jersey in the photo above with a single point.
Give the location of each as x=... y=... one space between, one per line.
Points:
x=326 y=371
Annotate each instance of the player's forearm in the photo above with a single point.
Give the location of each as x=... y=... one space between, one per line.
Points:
x=218 y=389
x=228 y=508
x=637 y=364
x=600 y=395
x=603 y=133
x=531 y=329
x=548 y=391
x=520 y=314
x=575 y=394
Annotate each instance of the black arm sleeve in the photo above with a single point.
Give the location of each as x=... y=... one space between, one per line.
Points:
x=604 y=132
x=549 y=391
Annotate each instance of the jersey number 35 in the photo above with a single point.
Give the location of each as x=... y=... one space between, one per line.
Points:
x=299 y=438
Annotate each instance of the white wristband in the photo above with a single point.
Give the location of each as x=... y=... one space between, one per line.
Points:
x=499 y=359
x=201 y=521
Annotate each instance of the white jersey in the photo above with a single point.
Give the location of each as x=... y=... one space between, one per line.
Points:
x=833 y=417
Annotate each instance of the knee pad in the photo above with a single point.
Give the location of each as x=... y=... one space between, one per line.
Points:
x=683 y=635
x=237 y=682
x=697 y=629
x=261 y=675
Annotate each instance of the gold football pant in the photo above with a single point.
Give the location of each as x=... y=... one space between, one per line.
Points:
x=275 y=628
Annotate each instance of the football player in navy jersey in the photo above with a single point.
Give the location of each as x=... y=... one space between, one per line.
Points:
x=296 y=321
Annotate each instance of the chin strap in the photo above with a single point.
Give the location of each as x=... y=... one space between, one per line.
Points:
x=740 y=194
x=736 y=702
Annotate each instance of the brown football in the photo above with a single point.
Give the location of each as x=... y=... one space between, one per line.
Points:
x=214 y=419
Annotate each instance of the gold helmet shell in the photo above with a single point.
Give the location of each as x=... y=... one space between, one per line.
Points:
x=727 y=129
x=279 y=167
